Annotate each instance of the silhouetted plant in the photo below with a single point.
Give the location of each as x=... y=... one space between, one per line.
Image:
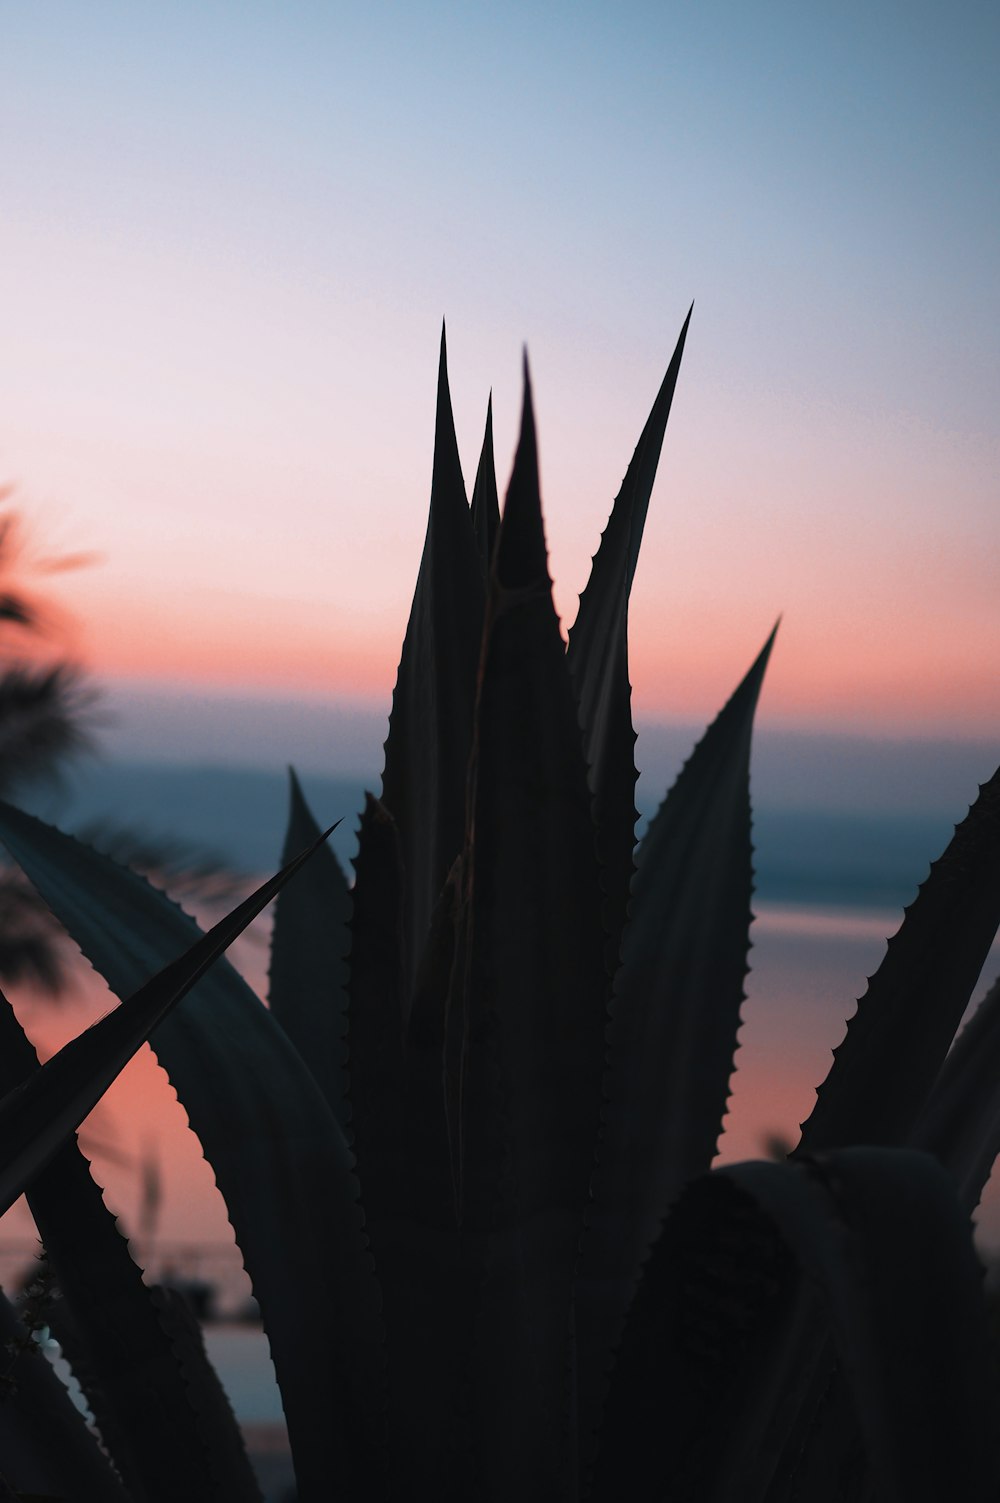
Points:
x=466 y=1150
x=46 y=720
x=48 y=717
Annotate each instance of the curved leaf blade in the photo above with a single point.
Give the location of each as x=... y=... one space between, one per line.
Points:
x=37 y=1117
x=709 y=1375
x=307 y=990
x=675 y=1018
x=152 y=1428
x=279 y=1156
x=217 y=1425
x=905 y=1298
x=899 y=1037
x=45 y=1446
x=430 y=727
x=485 y=501
x=960 y=1120
x=598 y=657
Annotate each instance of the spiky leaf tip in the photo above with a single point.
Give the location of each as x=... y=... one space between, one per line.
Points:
x=430 y=726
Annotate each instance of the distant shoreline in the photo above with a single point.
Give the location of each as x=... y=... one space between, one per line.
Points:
x=866 y=859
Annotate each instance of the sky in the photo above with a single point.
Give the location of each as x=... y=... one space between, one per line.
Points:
x=229 y=234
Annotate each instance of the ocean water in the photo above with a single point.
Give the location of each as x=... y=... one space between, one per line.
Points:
x=240 y=1356
x=807 y=853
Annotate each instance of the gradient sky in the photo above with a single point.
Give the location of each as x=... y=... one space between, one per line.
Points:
x=228 y=234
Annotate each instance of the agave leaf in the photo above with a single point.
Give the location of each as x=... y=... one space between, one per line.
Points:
x=713 y=1324
x=217 y=1425
x=897 y=1040
x=530 y=1005
x=45 y=1446
x=706 y=1386
x=485 y=502
x=398 y=1116
x=377 y=1000
x=960 y=1120
x=150 y=1424
x=37 y=1116
x=674 y=1023
x=209 y=1412
x=279 y=1156
x=598 y=658
x=308 y=973
x=909 y=1310
x=960 y=1125
x=430 y=728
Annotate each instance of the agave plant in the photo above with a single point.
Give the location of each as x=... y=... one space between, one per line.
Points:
x=467 y=1148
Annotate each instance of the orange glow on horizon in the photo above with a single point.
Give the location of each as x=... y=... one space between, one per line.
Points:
x=253 y=647
x=926 y=672
x=276 y=648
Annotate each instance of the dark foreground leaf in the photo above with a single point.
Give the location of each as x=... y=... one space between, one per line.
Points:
x=598 y=659
x=485 y=502
x=529 y=1006
x=756 y=1264
x=308 y=975
x=40 y=1114
x=897 y=1040
x=675 y=1018
x=960 y=1120
x=45 y=1446
x=163 y=1445
x=399 y=1117
x=430 y=728
x=279 y=1156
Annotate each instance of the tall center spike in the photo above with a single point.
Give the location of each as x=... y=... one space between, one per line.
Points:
x=521 y=556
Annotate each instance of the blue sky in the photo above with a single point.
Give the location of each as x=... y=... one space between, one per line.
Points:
x=230 y=233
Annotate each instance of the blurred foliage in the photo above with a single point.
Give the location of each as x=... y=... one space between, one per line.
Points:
x=49 y=717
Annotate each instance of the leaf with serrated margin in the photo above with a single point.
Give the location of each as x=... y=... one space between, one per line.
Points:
x=897 y=1040
x=531 y=996
x=675 y=1017
x=756 y=1262
x=279 y=1156
x=40 y=1113
x=216 y=1421
x=45 y=1445
x=598 y=659
x=485 y=502
x=145 y=1410
x=376 y=1018
x=960 y=1120
x=430 y=727
x=308 y=974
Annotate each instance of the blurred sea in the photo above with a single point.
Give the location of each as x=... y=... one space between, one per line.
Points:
x=805 y=854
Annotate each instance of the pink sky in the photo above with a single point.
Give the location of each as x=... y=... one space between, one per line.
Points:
x=888 y=595
x=229 y=239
